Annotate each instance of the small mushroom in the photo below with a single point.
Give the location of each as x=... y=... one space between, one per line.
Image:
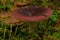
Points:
x=32 y=13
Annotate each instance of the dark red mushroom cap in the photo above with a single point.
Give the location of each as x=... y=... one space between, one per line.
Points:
x=32 y=13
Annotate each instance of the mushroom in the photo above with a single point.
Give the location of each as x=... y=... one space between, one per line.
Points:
x=32 y=13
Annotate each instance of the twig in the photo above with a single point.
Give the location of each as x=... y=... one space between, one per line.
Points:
x=16 y=30
x=10 y=31
x=4 y=32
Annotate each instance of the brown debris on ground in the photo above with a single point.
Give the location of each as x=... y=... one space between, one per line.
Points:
x=8 y=18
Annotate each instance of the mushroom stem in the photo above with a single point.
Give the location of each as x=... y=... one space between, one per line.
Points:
x=32 y=26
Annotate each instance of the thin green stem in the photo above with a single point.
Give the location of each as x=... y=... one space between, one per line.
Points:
x=4 y=32
x=10 y=32
x=16 y=29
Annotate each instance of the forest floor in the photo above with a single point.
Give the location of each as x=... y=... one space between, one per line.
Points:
x=13 y=29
